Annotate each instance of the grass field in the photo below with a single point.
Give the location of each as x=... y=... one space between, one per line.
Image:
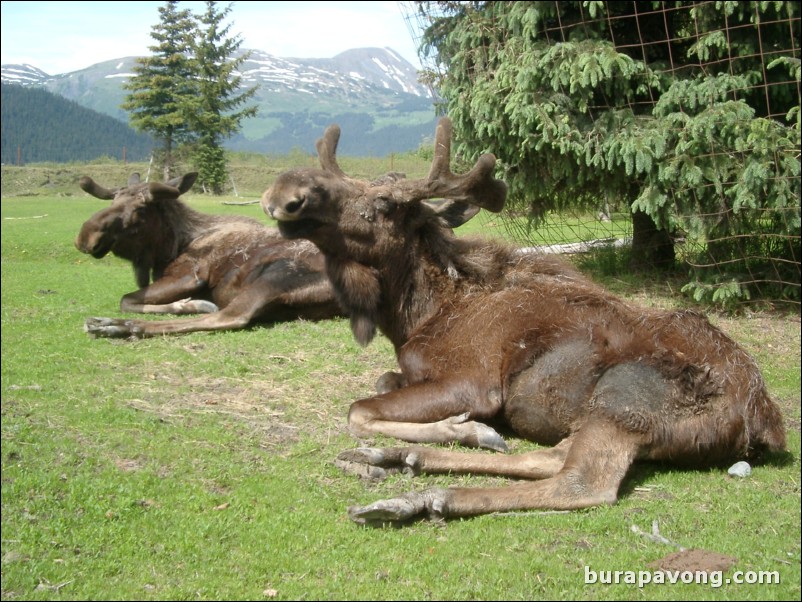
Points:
x=200 y=466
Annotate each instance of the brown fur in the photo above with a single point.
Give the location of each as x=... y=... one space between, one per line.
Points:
x=232 y=268
x=485 y=332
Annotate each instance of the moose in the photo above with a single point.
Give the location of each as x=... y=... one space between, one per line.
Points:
x=486 y=334
x=232 y=269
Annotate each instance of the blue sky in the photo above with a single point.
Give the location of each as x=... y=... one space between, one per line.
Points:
x=59 y=37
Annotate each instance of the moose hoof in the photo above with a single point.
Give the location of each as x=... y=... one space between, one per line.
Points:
x=426 y=504
x=488 y=438
x=108 y=328
x=474 y=434
x=194 y=306
x=363 y=471
x=377 y=464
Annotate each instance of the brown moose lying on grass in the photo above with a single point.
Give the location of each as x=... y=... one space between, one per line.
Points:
x=482 y=332
x=233 y=269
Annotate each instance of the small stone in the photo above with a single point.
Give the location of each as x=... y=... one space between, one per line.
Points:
x=740 y=469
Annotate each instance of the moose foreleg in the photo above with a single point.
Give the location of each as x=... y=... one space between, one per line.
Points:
x=124 y=328
x=180 y=307
x=429 y=412
x=168 y=296
x=238 y=314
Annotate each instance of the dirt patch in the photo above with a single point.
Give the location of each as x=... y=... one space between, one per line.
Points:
x=694 y=561
x=277 y=410
x=258 y=404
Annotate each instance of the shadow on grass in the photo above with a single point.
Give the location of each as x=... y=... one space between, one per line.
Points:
x=643 y=472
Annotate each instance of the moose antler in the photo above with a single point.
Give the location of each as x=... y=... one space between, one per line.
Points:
x=327 y=150
x=174 y=187
x=477 y=187
x=88 y=185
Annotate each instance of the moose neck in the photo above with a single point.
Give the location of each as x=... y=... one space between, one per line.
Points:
x=174 y=228
x=408 y=286
x=189 y=223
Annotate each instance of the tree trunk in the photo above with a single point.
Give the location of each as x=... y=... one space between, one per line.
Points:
x=168 y=158
x=651 y=247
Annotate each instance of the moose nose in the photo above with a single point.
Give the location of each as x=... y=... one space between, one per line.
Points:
x=283 y=210
x=86 y=243
x=294 y=205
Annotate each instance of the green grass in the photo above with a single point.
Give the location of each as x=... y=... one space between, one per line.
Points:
x=200 y=466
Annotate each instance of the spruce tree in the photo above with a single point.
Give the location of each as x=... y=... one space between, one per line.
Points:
x=214 y=115
x=687 y=114
x=164 y=82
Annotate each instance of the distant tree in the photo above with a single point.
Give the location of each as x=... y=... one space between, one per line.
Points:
x=187 y=93
x=686 y=113
x=163 y=82
x=213 y=114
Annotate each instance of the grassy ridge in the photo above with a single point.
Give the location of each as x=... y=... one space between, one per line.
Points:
x=250 y=174
x=199 y=466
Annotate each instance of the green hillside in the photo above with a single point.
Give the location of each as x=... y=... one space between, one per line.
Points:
x=40 y=126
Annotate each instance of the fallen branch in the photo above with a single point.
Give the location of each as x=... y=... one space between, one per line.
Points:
x=240 y=202
x=53 y=588
x=655 y=536
x=577 y=247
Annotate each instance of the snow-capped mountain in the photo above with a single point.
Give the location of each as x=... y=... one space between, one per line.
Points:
x=23 y=74
x=373 y=93
x=351 y=72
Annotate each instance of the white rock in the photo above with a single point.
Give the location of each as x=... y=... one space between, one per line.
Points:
x=740 y=469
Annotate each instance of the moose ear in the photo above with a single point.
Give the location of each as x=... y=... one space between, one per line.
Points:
x=186 y=181
x=158 y=191
x=183 y=183
x=453 y=213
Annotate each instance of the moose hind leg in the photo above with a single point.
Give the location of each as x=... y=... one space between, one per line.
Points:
x=598 y=460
